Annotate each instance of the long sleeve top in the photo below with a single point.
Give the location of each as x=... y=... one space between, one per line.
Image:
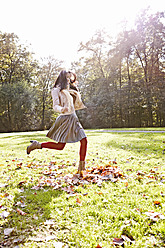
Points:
x=66 y=98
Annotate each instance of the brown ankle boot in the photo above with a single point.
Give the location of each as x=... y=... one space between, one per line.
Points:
x=35 y=145
x=81 y=166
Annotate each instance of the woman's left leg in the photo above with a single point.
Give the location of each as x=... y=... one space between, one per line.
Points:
x=53 y=145
x=50 y=145
x=83 y=150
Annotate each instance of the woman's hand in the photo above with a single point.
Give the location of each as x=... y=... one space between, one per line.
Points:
x=64 y=109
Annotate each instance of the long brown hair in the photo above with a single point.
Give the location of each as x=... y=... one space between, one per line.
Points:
x=61 y=81
x=72 y=81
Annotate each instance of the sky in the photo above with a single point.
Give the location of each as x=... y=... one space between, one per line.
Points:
x=56 y=27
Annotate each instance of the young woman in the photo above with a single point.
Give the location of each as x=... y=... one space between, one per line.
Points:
x=67 y=128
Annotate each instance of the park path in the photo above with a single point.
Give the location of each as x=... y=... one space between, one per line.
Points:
x=125 y=131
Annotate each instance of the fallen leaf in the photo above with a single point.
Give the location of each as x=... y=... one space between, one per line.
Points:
x=85 y=194
x=50 y=237
x=35 y=217
x=17 y=241
x=78 y=201
x=126 y=184
x=8 y=231
x=58 y=244
x=21 y=183
x=53 y=162
x=49 y=222
x=3 y=185
x=155 y=216
x=98 y=246
x=35 y=187
x=21 y=204
x=5 y=195
x=36 y=239
x=69 y=189
x=127 y=239
x=21 y=212
x=4 y=214
x=118 y=241
x=151 y=181
x=140 y=173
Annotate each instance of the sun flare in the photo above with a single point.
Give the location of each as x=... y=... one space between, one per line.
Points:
x=57 y=27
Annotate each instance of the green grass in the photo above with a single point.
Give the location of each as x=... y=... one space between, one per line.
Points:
x=104 y=212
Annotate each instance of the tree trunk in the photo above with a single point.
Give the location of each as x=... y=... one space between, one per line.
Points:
x=9 y=116
x=120 y=96
x=129 y=91
x=147 y=91
x=43 y=114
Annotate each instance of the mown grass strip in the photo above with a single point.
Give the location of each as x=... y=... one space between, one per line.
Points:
x=93 y=214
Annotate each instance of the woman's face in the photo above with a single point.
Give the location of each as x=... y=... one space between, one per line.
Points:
x=68 y=75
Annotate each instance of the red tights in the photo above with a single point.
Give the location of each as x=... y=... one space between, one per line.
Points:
x=60 y=146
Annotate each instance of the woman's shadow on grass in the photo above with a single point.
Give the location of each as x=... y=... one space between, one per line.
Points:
x=29 y=219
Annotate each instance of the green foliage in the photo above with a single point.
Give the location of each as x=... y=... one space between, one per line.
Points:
x=17 y=104
x=46 y=74
x=25 y=99
x=16 y=62
x=17 y=97
x=123 y=81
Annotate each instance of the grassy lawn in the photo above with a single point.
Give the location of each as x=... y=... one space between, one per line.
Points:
x=120 y=200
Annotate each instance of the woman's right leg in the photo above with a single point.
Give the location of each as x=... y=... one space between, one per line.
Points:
x=52 y=145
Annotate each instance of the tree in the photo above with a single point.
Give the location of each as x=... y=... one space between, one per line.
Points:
x=22 y=106
x=149 y=49
x=47 y=72
x=95 y=79
x=17 y=70
x=123 y=80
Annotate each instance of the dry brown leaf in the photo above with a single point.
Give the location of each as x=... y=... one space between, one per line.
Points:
x=78 y=201
x=98 y=246
x=155 y=216
x=126 y=184
x=21 y=212
x=118 y=241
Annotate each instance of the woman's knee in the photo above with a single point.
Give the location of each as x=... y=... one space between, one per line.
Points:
x=61 y=146
x=84 y=141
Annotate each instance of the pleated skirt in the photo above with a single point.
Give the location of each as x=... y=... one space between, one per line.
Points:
x=66 y=129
